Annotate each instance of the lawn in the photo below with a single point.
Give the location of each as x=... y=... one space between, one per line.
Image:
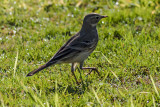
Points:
x=127 y=55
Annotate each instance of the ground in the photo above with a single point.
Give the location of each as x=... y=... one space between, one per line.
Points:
x=127 y=55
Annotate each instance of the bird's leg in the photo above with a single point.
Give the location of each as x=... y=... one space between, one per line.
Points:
x=72 y=70
x=90 y=68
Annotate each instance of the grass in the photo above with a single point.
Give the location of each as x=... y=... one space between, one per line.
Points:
x=127 y=55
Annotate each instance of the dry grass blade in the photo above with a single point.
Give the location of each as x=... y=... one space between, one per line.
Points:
x=153 y=101
x=115 y=76
x=154 y=86
x=96 y=96
x=15 y=65
x=105 y=57
x=132 y=105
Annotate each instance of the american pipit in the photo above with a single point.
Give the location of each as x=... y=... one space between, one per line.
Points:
x=78 y=47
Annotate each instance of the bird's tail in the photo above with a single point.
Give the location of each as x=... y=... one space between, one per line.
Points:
x=37 y=70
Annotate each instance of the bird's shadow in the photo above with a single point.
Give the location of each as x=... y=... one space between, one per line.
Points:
x=71 y=88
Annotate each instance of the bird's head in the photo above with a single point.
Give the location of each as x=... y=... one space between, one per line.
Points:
x=92 y=19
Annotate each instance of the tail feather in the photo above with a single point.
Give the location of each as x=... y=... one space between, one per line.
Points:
x=37 y=70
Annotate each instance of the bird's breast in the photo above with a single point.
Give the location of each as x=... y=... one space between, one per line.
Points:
x=81 y=56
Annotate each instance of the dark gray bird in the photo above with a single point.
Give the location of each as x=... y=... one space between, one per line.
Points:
x=78 y=47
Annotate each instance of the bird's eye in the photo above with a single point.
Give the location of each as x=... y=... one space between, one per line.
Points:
x=97 y=17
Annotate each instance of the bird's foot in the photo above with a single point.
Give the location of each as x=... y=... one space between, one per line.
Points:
x=92 y=69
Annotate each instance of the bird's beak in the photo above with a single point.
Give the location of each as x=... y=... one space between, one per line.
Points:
x=104 y=16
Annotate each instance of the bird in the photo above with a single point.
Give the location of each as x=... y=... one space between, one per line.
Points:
x=78 y=47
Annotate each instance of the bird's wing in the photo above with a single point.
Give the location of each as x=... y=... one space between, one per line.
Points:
x=64 y=50
x=73 y=46
x=83 y=45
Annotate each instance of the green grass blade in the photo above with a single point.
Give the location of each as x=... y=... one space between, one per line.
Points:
x=32 y=94
x=1 y=100
x=56 y=95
